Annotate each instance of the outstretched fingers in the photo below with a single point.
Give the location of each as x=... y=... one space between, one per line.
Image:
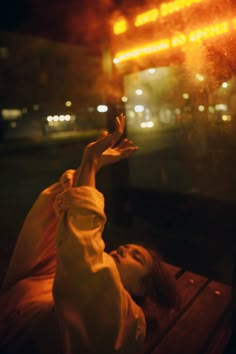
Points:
x=120 y=127
x=106 y=140
x=125 y=143
x=96 y=148
x=121 y=123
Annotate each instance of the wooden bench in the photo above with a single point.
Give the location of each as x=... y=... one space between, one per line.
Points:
x=202 y=325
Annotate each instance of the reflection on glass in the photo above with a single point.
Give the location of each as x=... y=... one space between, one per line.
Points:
x=185 y=125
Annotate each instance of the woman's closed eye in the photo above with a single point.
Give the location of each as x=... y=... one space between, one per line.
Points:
x=135 y=253
x=138 y=257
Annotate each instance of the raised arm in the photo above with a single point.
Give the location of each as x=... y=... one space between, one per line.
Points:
x=81 y=207
x=93 y=308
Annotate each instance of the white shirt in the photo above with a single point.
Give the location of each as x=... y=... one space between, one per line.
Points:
x=77 y=296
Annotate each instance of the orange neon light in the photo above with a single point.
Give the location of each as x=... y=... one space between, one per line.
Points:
x=179 y=40
x=144 y=50
x=149 y=16
x=208 y=32
x=120 y=27
x=165 y=9
x=168 y=8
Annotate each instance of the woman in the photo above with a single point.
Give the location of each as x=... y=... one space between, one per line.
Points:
x=63 y=293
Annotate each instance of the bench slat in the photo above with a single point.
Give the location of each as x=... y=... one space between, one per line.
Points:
x=198 y=322
x=222 y=335
x=189 y=285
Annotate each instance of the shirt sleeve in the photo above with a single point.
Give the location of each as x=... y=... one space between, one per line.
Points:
x=35 y=251
x=93 y=308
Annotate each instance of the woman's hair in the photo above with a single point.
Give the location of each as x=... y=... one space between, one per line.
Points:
x=161 y=293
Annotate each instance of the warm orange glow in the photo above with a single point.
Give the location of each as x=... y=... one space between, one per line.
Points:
x=167 y=8
x=234 y=22
x=120 y=27
x=179 y=40
x=149 y=16
x=208 y=32
x=150 y=48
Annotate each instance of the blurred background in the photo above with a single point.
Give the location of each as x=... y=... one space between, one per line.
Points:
x=68 y=67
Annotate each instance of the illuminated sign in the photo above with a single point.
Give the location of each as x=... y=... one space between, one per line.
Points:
x=169 y=8
x=176 y=41
x=208 y=32
x=149 y=16
x=120 y=27
x=165 y=9
x=150 y=48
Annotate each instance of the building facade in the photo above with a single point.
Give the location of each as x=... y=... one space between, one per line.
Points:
x=41 y=78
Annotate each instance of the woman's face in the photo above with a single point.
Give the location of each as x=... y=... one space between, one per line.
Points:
x=134 y=264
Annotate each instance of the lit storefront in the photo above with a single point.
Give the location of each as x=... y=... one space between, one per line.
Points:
x=177 y=63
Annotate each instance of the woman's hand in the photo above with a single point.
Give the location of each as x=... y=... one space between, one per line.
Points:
x=93 y=151
x=123 y=150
